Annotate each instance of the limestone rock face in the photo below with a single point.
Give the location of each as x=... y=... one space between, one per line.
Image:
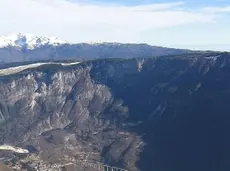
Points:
x=161 y=114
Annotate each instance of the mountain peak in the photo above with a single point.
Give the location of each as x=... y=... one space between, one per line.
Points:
x=29 y=41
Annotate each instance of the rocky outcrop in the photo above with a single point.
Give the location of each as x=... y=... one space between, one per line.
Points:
x=139 y=114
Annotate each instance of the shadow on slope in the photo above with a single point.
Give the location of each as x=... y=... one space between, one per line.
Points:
x=183 y=107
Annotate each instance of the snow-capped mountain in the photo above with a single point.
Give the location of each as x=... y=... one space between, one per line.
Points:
x=29 y=41
x=27 y=47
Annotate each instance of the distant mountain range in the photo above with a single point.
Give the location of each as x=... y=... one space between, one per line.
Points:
x=26 y=47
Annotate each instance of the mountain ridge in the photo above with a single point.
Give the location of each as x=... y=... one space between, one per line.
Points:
x=21 y=47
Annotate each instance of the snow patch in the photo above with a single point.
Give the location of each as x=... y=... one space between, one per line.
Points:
x=15 y=149
x=13 y=70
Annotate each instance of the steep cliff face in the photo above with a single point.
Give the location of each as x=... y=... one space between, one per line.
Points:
x=163 y=114
x=63 y=112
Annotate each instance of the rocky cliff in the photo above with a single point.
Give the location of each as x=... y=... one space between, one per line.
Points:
x=156 y=114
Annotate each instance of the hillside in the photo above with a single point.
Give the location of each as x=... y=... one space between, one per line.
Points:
x=155 y=114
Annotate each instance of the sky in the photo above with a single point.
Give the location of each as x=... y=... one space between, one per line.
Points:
x=191 y=24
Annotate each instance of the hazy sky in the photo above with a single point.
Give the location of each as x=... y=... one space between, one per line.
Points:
x=200 y=24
